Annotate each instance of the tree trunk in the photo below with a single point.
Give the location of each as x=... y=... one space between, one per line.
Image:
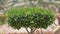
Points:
x=41 y=32
x=31 y=32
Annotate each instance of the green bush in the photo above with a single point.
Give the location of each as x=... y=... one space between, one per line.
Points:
x=30 y=17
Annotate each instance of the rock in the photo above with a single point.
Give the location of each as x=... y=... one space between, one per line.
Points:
x=57 y=30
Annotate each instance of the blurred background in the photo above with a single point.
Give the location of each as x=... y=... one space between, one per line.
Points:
x=46 y=4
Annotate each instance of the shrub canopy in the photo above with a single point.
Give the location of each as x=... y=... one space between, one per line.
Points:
x=30 y=17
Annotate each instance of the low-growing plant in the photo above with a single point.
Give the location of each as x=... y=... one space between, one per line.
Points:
x=32 y=17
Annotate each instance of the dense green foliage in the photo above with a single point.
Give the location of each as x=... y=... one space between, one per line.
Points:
x=30 y=17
